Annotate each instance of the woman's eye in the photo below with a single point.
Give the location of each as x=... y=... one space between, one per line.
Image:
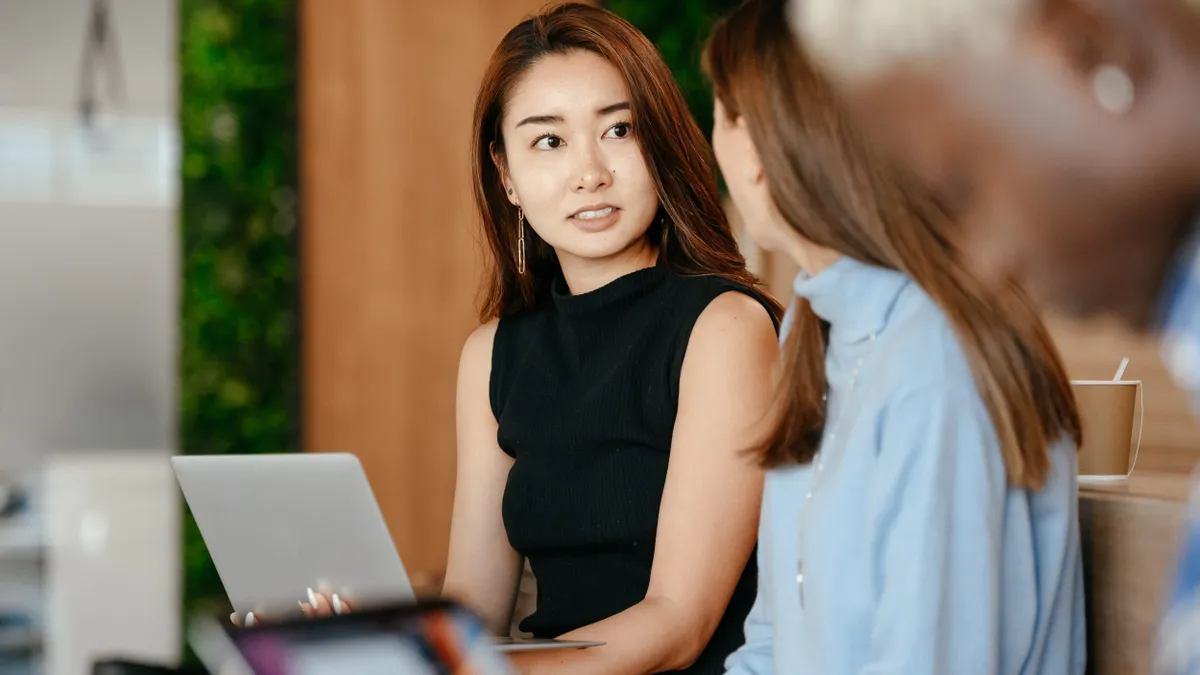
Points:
x=548 y=142
x=620 y=130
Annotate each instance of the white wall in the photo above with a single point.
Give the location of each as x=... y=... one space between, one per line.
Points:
x=89 y=313
x=88 y=276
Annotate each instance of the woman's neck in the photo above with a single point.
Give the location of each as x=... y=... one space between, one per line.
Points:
x=584 y=275
x=808 y=256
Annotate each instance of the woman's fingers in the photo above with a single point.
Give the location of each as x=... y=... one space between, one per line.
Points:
x=342 y=605
x=327 y=603
x=322 y=604
x=250 y=620
x=319 y=604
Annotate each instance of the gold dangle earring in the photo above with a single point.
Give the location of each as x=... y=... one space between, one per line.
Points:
x=520 y=241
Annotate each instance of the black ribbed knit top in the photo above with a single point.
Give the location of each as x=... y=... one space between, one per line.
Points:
x=585 y=390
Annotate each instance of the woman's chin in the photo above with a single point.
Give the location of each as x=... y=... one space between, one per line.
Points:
x=600 y=245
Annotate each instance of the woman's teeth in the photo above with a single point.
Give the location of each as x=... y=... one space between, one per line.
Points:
x=592 y=215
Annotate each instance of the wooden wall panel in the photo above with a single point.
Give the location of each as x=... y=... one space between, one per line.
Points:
x=390 y=261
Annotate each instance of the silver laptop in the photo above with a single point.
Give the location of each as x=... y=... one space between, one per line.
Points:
x=277 y=525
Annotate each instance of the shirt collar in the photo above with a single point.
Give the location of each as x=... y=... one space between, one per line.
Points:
x=853 y=297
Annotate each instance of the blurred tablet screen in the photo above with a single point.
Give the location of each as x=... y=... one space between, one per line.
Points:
x=430 y=638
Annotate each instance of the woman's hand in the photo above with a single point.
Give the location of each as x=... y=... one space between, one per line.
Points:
x=251 y=619
x=319 y=604
x=325 y=604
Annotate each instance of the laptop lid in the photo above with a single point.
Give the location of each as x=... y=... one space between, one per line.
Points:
x=277 y=525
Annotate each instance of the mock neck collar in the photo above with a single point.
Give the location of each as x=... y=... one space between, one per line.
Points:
x=626 y=286
x=853 y=297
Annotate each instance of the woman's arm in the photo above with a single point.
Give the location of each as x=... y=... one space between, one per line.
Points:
x=483 y=570
x=757 y=655
x=709 y=511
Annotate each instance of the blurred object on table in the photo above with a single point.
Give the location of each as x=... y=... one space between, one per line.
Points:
x=20 y=644
x=113 y=560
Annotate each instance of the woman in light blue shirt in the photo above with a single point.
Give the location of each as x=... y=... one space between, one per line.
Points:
x=920 y=515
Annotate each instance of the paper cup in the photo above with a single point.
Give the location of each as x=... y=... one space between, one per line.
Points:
x=1106 y=412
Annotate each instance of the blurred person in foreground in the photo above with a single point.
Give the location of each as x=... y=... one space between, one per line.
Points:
x=920 y=512
x=1065 y=134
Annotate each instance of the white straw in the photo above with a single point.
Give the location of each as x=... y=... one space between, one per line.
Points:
x=1121 y=369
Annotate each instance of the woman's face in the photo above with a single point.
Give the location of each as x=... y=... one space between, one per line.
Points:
x=571 y=160
x=744 y=177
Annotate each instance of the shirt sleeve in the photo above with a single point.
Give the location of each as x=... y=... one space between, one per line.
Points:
x=756 y=656
x=937 y=503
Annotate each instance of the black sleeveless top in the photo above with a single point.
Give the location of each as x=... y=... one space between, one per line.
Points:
x=585 y=390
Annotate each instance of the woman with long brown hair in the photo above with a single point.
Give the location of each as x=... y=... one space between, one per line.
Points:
x=919 y=515
x=625 y=354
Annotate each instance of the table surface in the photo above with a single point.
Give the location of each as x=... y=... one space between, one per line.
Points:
x=1130 y=531
x=1148 y=485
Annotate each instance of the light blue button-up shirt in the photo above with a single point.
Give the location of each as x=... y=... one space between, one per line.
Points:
x=919 y=557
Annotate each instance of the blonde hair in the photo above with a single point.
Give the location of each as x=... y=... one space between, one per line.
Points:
x=859 y=39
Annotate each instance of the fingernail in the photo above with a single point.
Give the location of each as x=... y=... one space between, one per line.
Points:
x=337 y=604
x=250 y=619
x=301 y=605
x=233 y=618
x=312 y=598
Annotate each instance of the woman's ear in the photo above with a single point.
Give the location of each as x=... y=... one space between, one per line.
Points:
x=754 y=167
x=502 y=169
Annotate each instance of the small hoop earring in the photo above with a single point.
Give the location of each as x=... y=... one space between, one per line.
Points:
x=1113 y=89
x=520 y=241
